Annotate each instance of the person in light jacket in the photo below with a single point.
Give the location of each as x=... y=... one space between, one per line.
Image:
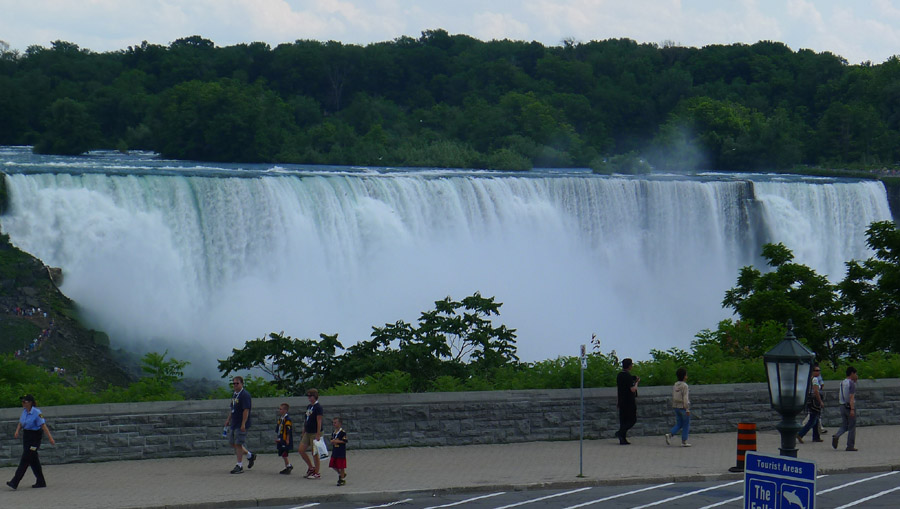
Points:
x=681 y=403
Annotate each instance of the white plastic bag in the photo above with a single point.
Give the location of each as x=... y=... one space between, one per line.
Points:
x=320 y=446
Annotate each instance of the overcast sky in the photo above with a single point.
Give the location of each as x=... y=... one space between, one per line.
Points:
x=857 y=30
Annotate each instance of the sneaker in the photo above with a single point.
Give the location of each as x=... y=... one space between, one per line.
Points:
x=44 y=485
x=852 y=449
x=799 y=439
x=668 y=438
x=287 y=470
x=250 y=461
x=237 y=469
x=823 y=431
x=11 y=485
x=818 y=440
x=309 y=472
x=341 y=482
x=685 y=444
x=834 y=442
x=315 y=475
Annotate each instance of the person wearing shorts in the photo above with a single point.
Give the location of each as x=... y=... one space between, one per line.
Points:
x=237 y=423
x=339 y=451
x=312 y=430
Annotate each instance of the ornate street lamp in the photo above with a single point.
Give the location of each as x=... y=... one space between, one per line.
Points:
x=788 y=370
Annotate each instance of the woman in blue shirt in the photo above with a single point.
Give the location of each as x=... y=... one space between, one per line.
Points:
x=32 y=426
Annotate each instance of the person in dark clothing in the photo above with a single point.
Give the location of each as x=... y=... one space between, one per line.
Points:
x=627 y=385
x=237 y=422
x=312 y=431
x=339 y=450
x=32 y=426
x=284 y=436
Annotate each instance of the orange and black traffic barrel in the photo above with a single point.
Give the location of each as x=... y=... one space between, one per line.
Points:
x=746 y=441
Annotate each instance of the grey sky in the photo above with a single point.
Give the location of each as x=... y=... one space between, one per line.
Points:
x=859 y=30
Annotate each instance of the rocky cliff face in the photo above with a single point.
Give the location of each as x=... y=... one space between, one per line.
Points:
x=39 y=324
x=892 y=186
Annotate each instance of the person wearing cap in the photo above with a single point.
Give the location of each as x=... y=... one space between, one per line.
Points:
x=32 y=426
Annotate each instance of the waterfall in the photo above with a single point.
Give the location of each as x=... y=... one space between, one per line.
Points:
x=200 y=264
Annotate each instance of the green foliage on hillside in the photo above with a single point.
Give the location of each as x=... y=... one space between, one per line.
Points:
x=18 y=378
x=452 y=100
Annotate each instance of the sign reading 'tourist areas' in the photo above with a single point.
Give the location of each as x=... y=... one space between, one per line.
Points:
x=778 y=482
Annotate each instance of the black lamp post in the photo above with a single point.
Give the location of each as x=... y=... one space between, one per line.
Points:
x=788 y=370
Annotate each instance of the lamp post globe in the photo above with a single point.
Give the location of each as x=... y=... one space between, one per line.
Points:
x=788 y=371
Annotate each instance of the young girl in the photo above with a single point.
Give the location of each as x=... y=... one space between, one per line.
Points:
x=339 y=451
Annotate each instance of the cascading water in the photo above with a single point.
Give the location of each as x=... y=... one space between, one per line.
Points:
x=200 y=264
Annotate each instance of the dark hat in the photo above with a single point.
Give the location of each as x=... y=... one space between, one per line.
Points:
x=28 y=397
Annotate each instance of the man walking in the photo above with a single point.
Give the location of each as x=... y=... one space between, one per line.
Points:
x=238 y=421
x=627 y=385
x=814 y=405
x=847 y=395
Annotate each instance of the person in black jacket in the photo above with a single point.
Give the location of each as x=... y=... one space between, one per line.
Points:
x=627 y=385
x=32 y=426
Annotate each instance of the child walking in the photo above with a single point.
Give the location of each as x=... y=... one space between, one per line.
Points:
x=284 y=436
x=339 y=450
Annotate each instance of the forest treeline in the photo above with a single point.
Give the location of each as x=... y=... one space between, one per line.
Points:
x=455 y=101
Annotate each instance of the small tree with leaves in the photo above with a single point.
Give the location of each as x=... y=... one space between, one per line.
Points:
x=456 y=335
x=293 y=364
x=789 y=291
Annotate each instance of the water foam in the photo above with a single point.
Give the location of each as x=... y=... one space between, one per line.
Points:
x=200 y=265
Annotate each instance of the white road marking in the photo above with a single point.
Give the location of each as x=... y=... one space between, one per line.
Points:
x=735 y=499
x=854 y=482
x=405 y=500
x=313 y=504
x=604 y=499
x=870 y=497
x=688 y=494
x=517 y=504
x=467 y=500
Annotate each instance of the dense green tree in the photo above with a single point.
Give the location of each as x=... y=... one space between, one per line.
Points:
x=293 y=364
x=224 y=120
x=70 y=129
x=452 y=100
x=872 y=290
x=789 y=291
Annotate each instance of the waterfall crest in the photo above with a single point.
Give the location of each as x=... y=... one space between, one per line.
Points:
x=201 y=264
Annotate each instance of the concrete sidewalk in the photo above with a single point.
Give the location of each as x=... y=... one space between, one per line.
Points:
x=383 y=475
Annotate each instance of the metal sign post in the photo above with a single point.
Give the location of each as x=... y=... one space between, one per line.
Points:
x=581 y=437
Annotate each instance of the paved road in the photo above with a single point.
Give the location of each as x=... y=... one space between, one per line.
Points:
x=864 y=491
x=379 y=476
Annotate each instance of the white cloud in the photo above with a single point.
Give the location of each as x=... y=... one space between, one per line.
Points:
x=496 y=25
x=856 y=30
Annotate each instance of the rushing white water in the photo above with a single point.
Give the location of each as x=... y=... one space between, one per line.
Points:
x=201 y=264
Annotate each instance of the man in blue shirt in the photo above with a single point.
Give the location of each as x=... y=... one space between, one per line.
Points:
x=239 y=420
x=32 y=426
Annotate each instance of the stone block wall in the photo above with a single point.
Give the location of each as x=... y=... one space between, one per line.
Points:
x=194 y=428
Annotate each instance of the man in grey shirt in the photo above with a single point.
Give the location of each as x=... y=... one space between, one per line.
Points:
x=847 y=395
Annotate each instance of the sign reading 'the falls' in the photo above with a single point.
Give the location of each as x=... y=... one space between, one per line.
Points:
x=778 y=482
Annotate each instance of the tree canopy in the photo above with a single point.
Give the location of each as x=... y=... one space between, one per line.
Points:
x=452 y=100
x=856 y=317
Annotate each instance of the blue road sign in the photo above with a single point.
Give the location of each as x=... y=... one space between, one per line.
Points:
x=778 y=482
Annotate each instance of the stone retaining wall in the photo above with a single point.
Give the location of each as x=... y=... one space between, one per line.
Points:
x=194 y=428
